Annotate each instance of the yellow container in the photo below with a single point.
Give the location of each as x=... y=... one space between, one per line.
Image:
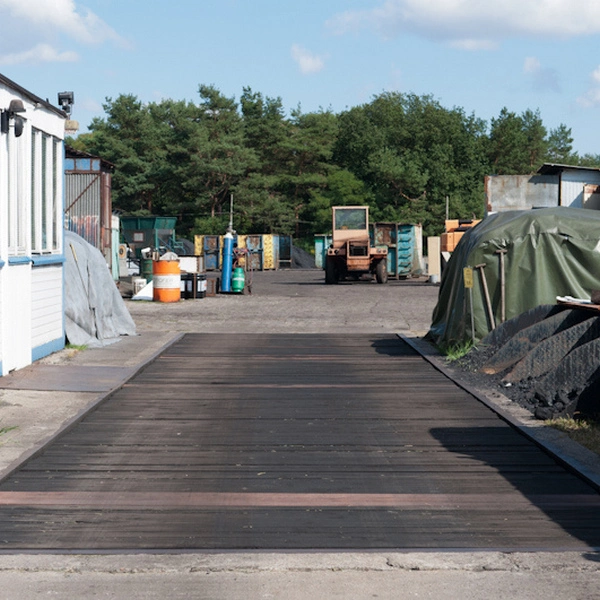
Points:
x=199 y=245
x=268 y=252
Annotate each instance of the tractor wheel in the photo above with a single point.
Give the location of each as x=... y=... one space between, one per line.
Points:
x=331 y=272
x=381 y=274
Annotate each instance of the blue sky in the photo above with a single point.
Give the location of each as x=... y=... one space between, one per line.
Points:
x=332 y=54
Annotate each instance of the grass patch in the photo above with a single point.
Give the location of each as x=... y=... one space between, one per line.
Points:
x=456 y=351
x=583 y=431
x=76 y=347
x=4 y=430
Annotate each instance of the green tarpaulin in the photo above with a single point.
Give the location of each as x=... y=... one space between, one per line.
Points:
x=550 y=252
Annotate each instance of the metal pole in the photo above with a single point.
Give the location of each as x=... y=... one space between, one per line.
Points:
x=486 y=295
x=472 y=315
x=502 y=252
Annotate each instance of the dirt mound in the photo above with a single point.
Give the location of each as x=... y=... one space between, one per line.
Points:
x=547 y=360
x=301 y=259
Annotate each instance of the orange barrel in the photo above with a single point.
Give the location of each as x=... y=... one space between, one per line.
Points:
x=166 y=279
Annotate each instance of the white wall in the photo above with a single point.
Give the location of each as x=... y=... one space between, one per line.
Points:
x=572 y=186
x=46 y=310
x=31 y=282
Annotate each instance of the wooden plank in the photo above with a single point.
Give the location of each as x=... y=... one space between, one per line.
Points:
x=308 y=441
x=289 y=529
x=187 y=501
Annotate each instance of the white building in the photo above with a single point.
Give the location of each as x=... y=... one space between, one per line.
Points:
x=31 y=227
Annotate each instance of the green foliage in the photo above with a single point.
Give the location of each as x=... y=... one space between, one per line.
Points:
x=560 y=145
x=210 y=225
x=457 y=351
x=403 y=155
x=77 y=347
x=412 y=153
x=518 y=144
x=342 y=188
x=589 y=160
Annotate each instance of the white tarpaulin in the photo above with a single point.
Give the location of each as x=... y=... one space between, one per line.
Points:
x=95 y=313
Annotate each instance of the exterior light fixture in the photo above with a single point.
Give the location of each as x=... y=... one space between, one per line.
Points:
x=66 y=101
x=12 y=112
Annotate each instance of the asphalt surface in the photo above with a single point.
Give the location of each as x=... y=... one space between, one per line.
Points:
x=35 y=407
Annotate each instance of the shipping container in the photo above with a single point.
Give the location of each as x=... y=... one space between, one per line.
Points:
x=322 y=242
x=149 y=232
x=199 y=245
x=285 y=251
x=261 y=251
x=270 y=252
x=404 y=245
x=212 y=252
x=254 y=245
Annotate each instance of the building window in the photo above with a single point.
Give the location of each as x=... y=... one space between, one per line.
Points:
x=45 y=193
x=18 y=196
x=57 y=191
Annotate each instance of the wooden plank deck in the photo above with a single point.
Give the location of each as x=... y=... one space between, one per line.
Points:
x=294 y=442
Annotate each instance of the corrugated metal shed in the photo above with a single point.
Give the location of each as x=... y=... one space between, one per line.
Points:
x=520 y=192
x=576 y=185
x=88 y=203
x=552 y=185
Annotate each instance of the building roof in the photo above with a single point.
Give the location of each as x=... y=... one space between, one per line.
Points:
x=555 y=169
x=71 y=152
x=32 y=97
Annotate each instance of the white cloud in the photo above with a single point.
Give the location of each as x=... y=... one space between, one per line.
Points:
x=41 y=53
x=42 y=24
x=471 y=44
x=591 y=98
x=532 y=65
x=473 y=24
x=543 y=79
x=61 y=16
x=307 y=61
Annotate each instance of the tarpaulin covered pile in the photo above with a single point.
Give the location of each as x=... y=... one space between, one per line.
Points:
x=550 y=252
x=95 y=314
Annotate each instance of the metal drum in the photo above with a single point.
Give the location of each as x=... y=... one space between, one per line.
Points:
x=166 y=281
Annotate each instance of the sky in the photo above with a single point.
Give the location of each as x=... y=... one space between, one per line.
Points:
x=478 y=55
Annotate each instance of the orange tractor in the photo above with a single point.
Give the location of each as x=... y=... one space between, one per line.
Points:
x=350 y=253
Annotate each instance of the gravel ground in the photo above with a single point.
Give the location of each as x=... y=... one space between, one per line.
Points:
x=298 y=301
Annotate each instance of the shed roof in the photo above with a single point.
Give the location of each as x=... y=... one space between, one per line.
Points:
x=555 y=169
x=71 y=152
x=32 y=97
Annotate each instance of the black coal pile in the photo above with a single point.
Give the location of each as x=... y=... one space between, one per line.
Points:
x=302 y=259
x=546 y=360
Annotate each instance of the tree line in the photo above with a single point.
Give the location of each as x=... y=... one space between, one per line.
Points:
x=406 y=156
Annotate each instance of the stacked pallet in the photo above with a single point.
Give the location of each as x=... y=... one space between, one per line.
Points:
x=455 y=229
